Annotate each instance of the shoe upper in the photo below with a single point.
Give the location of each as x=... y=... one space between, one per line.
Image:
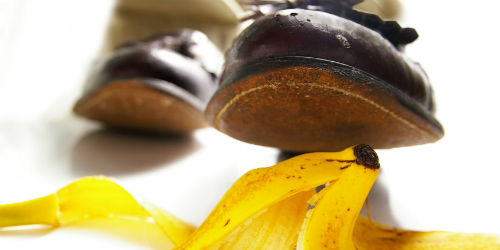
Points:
x=321 y=35
x=184 y=57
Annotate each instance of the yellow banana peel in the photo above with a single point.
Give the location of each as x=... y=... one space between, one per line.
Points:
x=91 y=198
x=267 y=208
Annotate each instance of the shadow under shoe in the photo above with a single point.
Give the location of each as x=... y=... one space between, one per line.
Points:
x=116 y=153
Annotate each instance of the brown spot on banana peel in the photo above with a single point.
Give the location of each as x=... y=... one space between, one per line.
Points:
x=344 y=167
x=366 y=156
x=342 y=161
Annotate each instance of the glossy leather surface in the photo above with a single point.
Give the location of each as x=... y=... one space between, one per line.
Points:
x=307 y=33
x=172 y=58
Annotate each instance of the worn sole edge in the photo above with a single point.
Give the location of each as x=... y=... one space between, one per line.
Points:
x=349 y=72
x=173 y=91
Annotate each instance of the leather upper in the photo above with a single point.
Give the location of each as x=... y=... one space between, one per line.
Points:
x=307 y=33
x=173 y=58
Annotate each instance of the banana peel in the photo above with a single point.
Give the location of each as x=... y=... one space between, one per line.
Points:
x=268 y=208
x=91 y=198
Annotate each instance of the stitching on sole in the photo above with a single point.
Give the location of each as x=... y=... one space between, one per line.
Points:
x=343 y=91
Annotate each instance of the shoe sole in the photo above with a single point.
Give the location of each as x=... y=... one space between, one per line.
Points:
x=144 y=105
x=306 y=104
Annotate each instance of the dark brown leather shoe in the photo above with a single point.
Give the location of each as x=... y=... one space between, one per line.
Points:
x=156 y=73
x=158 y=85
x=304 y=80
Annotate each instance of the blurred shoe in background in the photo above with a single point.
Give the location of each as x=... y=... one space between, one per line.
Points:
x=159 y=64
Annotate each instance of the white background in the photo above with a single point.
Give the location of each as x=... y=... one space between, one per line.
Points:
x=46 y=49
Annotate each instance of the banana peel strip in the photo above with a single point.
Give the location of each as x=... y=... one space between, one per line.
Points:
x=91 y=198
x=268 y=208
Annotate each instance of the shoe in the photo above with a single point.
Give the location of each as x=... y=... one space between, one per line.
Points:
x=304 y=80
x=154 y=76
x=159 y=85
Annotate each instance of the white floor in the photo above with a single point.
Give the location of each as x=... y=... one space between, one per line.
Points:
x=46 y=48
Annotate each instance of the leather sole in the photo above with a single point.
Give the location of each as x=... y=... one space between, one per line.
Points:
x=144 y=105
x=307 y=104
